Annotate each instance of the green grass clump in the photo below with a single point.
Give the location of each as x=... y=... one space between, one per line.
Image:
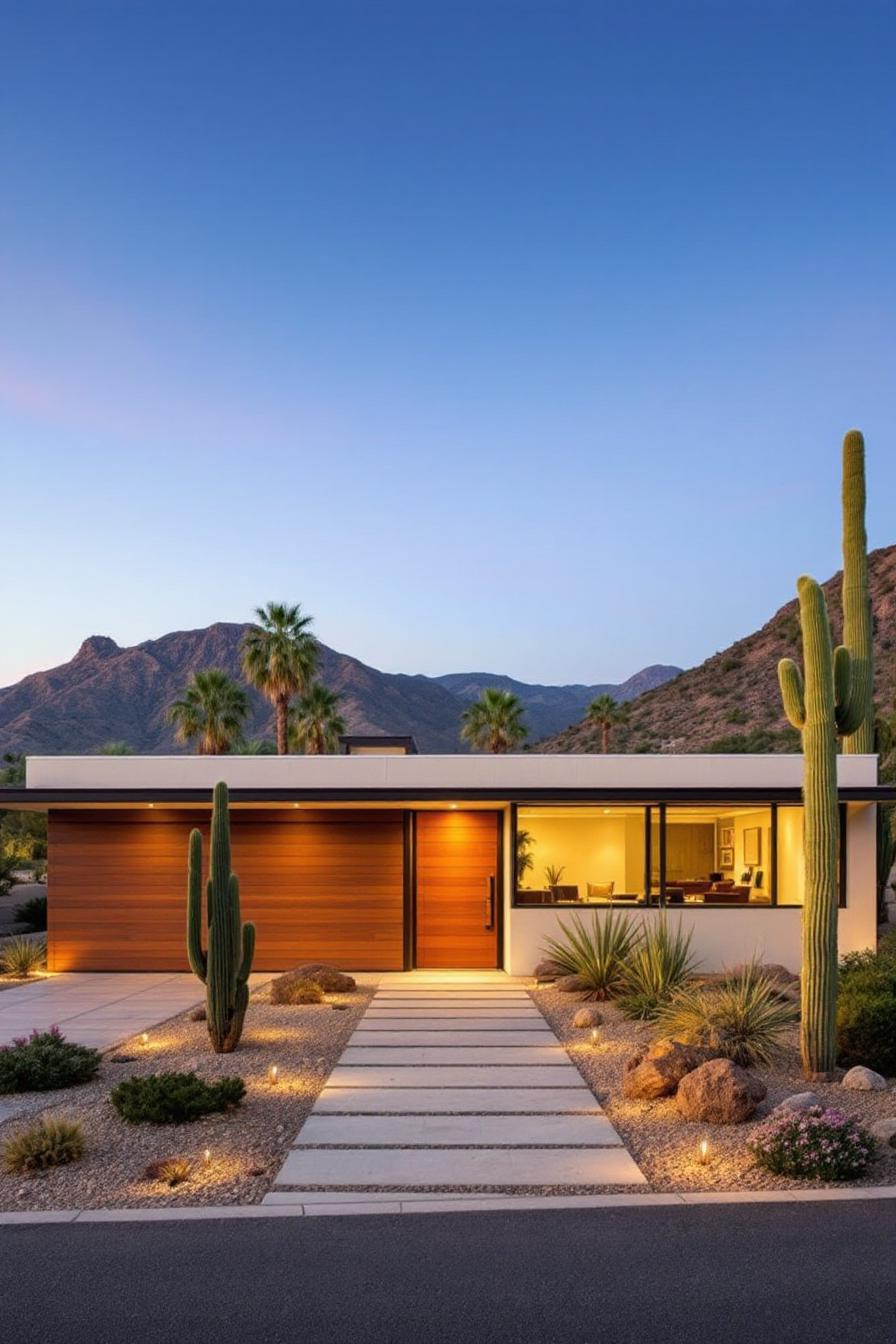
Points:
x=745 y=1019
x=49 y=1143
x=170 y=1171
x=22 y=956
x=172 y=1098
x=659 y=964
x=598 y=955
x=44 y=1061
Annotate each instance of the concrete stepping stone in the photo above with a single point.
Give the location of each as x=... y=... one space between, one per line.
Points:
x=532 y=1014
x=335 y=1100
x=447 y=1054
x=452 y=1037
x=446 y=1075
x=452 y=1167
x=433 y=1131
x=533 y=1023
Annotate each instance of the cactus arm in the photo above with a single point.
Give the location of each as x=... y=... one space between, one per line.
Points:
x=195 y=954
x=791 y=682
x=849 y=711
x=857 y=621
x=248 y=953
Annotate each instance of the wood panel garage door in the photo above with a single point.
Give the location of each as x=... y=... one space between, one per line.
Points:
x=320 y=885
x=456 y=862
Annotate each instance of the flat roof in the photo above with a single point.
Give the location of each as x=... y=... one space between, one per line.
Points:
x=55 y=780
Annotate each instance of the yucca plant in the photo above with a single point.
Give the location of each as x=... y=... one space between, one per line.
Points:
x=660 y=964
x=597 y=955
x=21 y=957
x=744 y=1018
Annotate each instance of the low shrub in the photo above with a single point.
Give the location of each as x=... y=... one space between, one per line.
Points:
x=866 y=1009
x=597 y=955
x=170 y=1171
x=21 y=957
x=49 y=1143
x=826 y=1145
x=172 y=1098
x=289 y=989
x=659 y=964
x=745 y=1019
x=33 y=912
x=44 y=1061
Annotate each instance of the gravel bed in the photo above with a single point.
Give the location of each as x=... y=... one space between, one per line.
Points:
x=247 y=1145
x=664 y=1145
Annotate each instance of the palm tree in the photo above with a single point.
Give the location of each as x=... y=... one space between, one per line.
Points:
x=495 y=722
x=317 y=723
x=212 y=708
x=605 y=713
x=280 y=658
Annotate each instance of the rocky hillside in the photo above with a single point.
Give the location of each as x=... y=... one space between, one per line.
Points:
x=731 y=702
x=108 y=693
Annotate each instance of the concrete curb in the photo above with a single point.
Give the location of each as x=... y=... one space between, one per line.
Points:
x=441 y=1204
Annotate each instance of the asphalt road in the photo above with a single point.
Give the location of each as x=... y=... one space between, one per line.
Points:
x=773 y=1273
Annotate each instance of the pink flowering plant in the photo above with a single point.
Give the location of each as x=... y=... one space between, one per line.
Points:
x=825 y=1144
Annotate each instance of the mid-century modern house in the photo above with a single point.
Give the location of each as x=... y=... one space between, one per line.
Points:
x=383 y=860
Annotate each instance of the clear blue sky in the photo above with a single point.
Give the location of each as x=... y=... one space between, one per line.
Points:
x=512 y=337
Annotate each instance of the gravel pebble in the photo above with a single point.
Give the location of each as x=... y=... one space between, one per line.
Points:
x=664 y=1145
x=247 y=1145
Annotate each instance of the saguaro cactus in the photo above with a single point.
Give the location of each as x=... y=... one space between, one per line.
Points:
x=224 y=968
x=857 y=635
x=823 y=709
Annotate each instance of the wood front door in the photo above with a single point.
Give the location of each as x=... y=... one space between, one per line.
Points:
x=457 y=889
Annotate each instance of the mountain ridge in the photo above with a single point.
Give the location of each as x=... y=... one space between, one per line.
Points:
x=110 y=692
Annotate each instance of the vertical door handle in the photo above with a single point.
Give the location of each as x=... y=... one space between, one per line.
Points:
x=490 y=902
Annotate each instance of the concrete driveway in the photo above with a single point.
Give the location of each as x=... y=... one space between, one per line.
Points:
x=97 y=1008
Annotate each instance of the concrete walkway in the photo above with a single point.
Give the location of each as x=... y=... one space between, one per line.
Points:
x=451 y=1080
x=98 y=1008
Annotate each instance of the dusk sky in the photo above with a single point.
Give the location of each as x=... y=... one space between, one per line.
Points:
x=505 y=337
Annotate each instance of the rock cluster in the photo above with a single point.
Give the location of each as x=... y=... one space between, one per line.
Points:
x=658 y=1071
x=328 y=977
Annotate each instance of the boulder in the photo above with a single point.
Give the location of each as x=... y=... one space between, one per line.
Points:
x=772 y=971
x=861 y=1079
x=885 y=1132
x=572 y=984
x=331 y=980
x=800 y=1101
x=587 y=1017
x=658 y=1071
x=718 y=1093
x=547 y=970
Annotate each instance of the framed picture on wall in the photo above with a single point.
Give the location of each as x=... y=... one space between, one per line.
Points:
x=726 y=839
x=753 y=845
x=726 y=857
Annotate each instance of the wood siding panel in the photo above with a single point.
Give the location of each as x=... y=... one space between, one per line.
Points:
x=320 y=886
x=456 y=854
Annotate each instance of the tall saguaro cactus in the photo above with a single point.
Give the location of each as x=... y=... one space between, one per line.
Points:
x=857 y=633
x=225 y=966
x=823 y=708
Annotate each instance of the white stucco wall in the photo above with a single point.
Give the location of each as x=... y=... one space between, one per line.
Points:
x=526 y=771
x=725 y=936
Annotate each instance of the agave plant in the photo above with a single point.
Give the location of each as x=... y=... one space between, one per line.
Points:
x=659 y=965
x=744 y=1018
x=597 y=955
